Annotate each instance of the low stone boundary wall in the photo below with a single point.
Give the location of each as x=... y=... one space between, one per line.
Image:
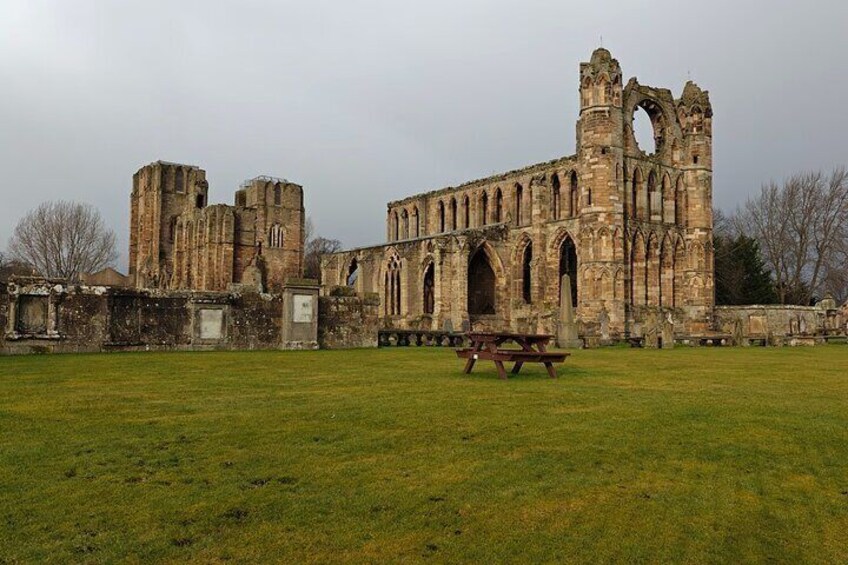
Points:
x=348 y=321
x=781 y=325
x=44 y=316
x=419 y=338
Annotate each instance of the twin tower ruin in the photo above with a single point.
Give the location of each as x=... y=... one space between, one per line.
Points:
x=631 y=229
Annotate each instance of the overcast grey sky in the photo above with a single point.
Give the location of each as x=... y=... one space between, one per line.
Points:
x=367 y=101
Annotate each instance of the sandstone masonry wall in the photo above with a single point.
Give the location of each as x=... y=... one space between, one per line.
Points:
x=42 y=316
x=348 y=321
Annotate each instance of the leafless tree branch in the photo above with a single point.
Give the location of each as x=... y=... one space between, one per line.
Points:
x=63 y=239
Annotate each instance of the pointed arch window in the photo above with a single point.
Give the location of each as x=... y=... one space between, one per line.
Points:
x=572 y=200
x=519 y=197
x=429 y=301
x=275 y=236
x=441 y=216
x=555 y=188
x=352 y=273
x=526 y=274
x=484 y=209
x=404 y=224
x=392 y=288
x=498 y=206
x=568 y=266
x=652 y=190
x=453 y=214
x=467 y=209
x=416 y=224
x=481 y=285
x=278 y=195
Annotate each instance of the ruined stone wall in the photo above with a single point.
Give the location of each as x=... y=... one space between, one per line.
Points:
x=630 y=226
x=780 y=325
x=178 y=241
x=41 y=316
x=348 y=321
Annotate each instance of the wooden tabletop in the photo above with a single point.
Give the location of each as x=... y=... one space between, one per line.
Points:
x=484 y=336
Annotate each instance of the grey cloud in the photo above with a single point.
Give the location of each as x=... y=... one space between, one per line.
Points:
x=364 y=102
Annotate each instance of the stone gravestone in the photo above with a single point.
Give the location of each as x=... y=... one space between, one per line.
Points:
x=567 y=328
x=668 y=332
x=604 y=320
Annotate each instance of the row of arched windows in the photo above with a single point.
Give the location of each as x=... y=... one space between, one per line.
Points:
x=570 y=210
x=405 y=225
x=656 y=276
x=648 y=202
x=275 y=236
x=392 y=288
x=488 y=208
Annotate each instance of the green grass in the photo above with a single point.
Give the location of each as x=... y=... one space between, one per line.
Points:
x=690 y=455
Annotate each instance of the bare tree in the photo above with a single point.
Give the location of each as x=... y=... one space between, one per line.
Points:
x=63 y=239
x=802 y=227
x=316 y=246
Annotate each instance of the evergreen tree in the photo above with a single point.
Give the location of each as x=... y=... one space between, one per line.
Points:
x=740 y=274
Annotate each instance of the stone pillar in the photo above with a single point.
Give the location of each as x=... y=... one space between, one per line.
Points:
x=567 y=327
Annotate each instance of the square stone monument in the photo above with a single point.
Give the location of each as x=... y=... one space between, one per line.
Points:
x=300 y=315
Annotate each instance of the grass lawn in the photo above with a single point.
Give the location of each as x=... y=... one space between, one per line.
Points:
x=698 y=455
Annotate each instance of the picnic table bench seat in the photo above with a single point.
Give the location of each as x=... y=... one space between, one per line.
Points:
x=486 y=346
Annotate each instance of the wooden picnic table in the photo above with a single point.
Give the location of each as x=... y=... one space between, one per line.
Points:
x=487 y=345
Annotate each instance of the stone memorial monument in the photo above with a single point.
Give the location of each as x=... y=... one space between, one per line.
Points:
x=567 y=327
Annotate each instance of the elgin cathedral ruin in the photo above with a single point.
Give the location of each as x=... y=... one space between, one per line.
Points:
x=631 y=230
x=611 y=244
x=177 y=241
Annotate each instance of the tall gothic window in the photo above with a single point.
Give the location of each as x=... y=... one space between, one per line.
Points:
x=481 y=284
x=573 y=196
x=484 y=209
x=498 y=206
x=453 y=214
x=555 y=197
x=392 y=288
x=275 y=236
x=429 y=290
x=416 y=224
x=526 y=274
x=467 y=209
x=278 y=196
x=519 y=196
x=441 y=216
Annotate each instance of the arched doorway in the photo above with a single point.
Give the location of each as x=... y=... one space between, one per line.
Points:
x=429 y=290
x=568 y=266
x=481 y=285
x=352 y=273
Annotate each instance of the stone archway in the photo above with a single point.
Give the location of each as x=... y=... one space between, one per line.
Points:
x=568 y=266
x=481 y=285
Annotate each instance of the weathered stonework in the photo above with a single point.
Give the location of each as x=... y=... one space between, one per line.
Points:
x=348 y=321
x=44 y=316
x=775 y=324
x=632 y=230
x=178 y=241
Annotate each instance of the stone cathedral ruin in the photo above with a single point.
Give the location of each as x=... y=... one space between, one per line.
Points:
x=632 y=231
x=611 y=244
